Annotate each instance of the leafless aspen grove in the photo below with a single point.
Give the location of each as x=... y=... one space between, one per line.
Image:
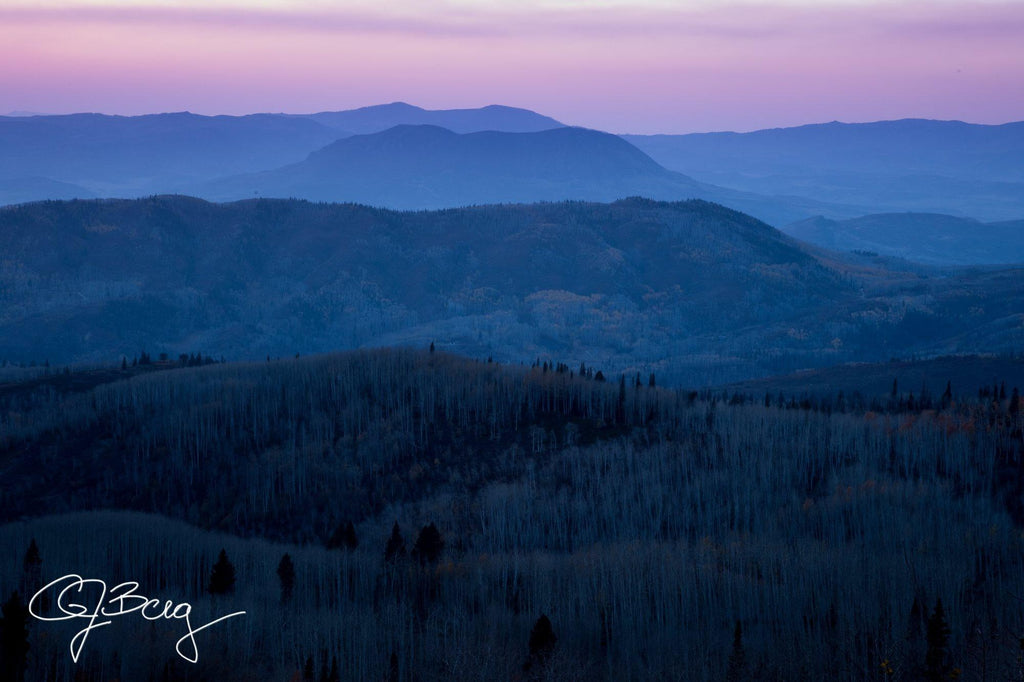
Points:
x=665 y=534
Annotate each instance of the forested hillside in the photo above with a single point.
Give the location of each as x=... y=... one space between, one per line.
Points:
x=434 y=507
x=694 y=291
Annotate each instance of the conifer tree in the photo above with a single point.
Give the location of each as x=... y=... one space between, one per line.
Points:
x=286 y=573
x=542 y=643
x=32 y=565
x=737 y=670
x=937 y=637
x=222 y=579
x=344 y=537
x=393 y=674
x=429 y=545
x=13 y=639
x=395 y=548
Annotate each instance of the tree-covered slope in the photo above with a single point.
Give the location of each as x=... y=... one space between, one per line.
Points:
x=643 y=522
x=692 y=290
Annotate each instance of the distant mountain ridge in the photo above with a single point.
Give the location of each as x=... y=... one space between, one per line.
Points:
x=839 y=171
x=87 y=155
x=923 y=237
x=907 y=165
x=414 y=167
x=428 y=167
x=374 y=119
x=133 y=155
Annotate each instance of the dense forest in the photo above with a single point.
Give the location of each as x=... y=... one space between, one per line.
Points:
x=415 y=515
x=693 y=291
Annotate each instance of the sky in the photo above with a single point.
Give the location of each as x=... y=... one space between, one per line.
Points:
x=626 y=66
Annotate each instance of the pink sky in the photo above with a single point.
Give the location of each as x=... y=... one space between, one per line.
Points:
x=643 y=66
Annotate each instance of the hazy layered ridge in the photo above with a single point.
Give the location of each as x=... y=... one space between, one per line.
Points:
x=417 y=167
x=383 y=116
x=691 y=289
x=908 y=165
x=86 y=155
x=129 y=156
x=431 y=159
x=428 y=167
x=923 y=237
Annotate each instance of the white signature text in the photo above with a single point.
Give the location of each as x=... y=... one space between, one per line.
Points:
x=120 y=600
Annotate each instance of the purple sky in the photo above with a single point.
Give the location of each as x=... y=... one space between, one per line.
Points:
x=641 y=66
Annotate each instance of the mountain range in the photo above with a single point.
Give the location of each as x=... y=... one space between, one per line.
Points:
x=403 y=157
x=400 y=157
x=85 y=155
x=425 y=167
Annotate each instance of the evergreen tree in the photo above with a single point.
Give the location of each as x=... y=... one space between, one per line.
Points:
x=286 y=572
x=344 y=537
x=429 y=545
x=222 y=579
x=542 y=643
x=393 y=675
x=395 y=548
x=32 y=565
x=937 y=636
x=13 y=639
x=737 y=670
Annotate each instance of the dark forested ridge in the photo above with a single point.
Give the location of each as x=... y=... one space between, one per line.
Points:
x=433 y=508
x=970 y=375
x=694 y=291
